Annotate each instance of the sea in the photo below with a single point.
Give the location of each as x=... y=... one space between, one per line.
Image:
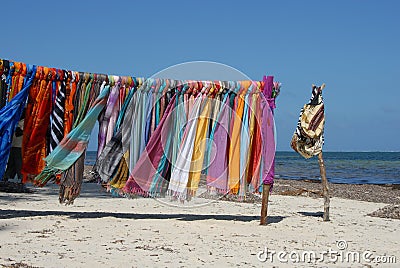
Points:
x=341 y=167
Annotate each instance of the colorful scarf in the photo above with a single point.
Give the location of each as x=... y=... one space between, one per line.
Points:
x=268 y=130
x=9 y=117
x=144 y=171
x=113 y=151
x=181 y=169
x=72 y=147
x=37 y=122
x=217 y=171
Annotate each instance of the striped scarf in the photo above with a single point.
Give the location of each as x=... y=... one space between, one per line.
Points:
x=110 y=157
x=57 y=115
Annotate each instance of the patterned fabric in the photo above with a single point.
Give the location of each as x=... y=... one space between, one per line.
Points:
x=112 y=155
x=57 y=115
x=142 y=175
x=37 y=120
x=4 y=70
x=9 y=118
x=73 y=146
x=108 y=118
x=158 y=137
x=71 y=86
x=181 y=169
x=308 y=137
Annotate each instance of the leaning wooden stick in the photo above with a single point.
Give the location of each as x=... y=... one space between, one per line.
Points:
x=264 y=205
x=325 y=188
x=308 y=137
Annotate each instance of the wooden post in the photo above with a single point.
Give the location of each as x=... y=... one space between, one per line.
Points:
x=264 y=205
x=325 y=189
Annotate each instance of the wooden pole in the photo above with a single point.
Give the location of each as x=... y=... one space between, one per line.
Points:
x=325 y=189
x=264 y=205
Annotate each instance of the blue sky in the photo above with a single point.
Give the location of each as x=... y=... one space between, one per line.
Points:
x=352 y=46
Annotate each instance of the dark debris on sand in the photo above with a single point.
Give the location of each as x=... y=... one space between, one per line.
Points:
x=14 y=187
x=18 y=265
x=389 y=194
x=390 y=211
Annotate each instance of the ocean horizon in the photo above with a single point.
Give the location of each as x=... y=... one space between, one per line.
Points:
x=367 y=167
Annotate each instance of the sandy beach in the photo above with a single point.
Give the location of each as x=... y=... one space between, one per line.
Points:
x=104 y=231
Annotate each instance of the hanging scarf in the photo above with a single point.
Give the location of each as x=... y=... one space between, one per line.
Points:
x=4 y=70
x=217 y=171
x=142 y=175
x=72 y=180
x=161 y=176
x=180 y=173
x=37 y=121
x=254 y=156
x=267 y=130
x=73 y=146
x=108 y=119
x=9 y=117
x=244 y=145
x=57 y=115
x=116 y=169
x=71 y=87
x=137 y=130
x=199 y=147
x=234 y=146
x=112 y=153
x=18 y=76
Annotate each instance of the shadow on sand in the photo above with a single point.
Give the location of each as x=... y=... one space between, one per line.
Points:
x=312 y=214
x=11 y=213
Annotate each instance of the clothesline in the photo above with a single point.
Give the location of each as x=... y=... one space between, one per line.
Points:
x=134 y=114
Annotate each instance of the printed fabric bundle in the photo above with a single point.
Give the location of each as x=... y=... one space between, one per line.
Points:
x=308 y=137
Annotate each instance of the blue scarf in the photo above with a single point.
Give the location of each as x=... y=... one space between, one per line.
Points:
x=9 y=118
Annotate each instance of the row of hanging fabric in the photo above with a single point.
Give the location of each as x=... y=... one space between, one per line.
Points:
x=156 y=136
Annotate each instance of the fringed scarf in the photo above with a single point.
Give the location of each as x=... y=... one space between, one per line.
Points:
x=217 y=171
x=181 y=169
x=111 y=166
x=70 y=149
x=199 y=146
x=146 y=167
x=234 y=145
x=72 y=180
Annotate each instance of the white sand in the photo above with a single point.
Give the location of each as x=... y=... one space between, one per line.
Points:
x=101 y=231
